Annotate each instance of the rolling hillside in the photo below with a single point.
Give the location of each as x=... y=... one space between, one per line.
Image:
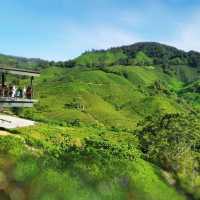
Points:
x=115 y=96
x=98 y=89
x=121 y=123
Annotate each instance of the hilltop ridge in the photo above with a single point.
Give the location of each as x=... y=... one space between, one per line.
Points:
x=141 y=53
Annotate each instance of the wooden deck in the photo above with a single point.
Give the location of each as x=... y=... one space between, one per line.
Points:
x=16 y=102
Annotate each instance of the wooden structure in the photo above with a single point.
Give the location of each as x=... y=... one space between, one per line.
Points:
x=8 y=101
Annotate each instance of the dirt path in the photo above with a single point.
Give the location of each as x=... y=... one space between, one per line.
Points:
x=4 y=133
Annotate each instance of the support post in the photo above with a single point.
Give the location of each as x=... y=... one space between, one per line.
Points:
x=3 y=79
x=2 y=84
x=32 y=78
x=32 y=81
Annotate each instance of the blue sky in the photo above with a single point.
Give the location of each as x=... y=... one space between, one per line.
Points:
x=63 y=29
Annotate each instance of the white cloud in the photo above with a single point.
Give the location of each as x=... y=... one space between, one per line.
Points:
x=76 y=38
x=187 y=35
x=79 y=38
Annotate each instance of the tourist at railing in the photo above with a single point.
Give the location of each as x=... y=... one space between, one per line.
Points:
x=12 y=91
x=24 y=92
x=29 y=92
x=19 y=93
x=5 y=91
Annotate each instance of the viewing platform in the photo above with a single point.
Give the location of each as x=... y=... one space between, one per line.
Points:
x=12 y=95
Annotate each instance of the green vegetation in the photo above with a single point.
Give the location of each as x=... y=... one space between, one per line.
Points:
x=18 y=62
x=115 y=124
x=104 y=97
x=56 y=162
x=172 y=142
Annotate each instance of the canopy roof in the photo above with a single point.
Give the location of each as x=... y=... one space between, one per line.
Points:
x=17 y=71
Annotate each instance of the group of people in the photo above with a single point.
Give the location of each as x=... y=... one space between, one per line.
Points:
x=16 y=92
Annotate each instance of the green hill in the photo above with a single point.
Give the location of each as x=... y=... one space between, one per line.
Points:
x=144 y=53
x=120 y=124
x=20 y=62
x=107 y=97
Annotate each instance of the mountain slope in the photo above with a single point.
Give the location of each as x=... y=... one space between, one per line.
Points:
x=114 y=124
x=115 y=97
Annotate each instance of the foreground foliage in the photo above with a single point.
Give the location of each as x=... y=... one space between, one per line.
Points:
x=172 y=142
x=60 y=167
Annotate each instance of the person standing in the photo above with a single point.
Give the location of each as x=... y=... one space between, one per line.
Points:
x=6 y=91
x=10 y=90
x=18 y=93
x=24 y=92
x=29 y=92
x=14 y=90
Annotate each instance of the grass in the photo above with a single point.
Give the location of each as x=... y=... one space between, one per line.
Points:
x=105 y=58
x=68 y=172
x=107 y=97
